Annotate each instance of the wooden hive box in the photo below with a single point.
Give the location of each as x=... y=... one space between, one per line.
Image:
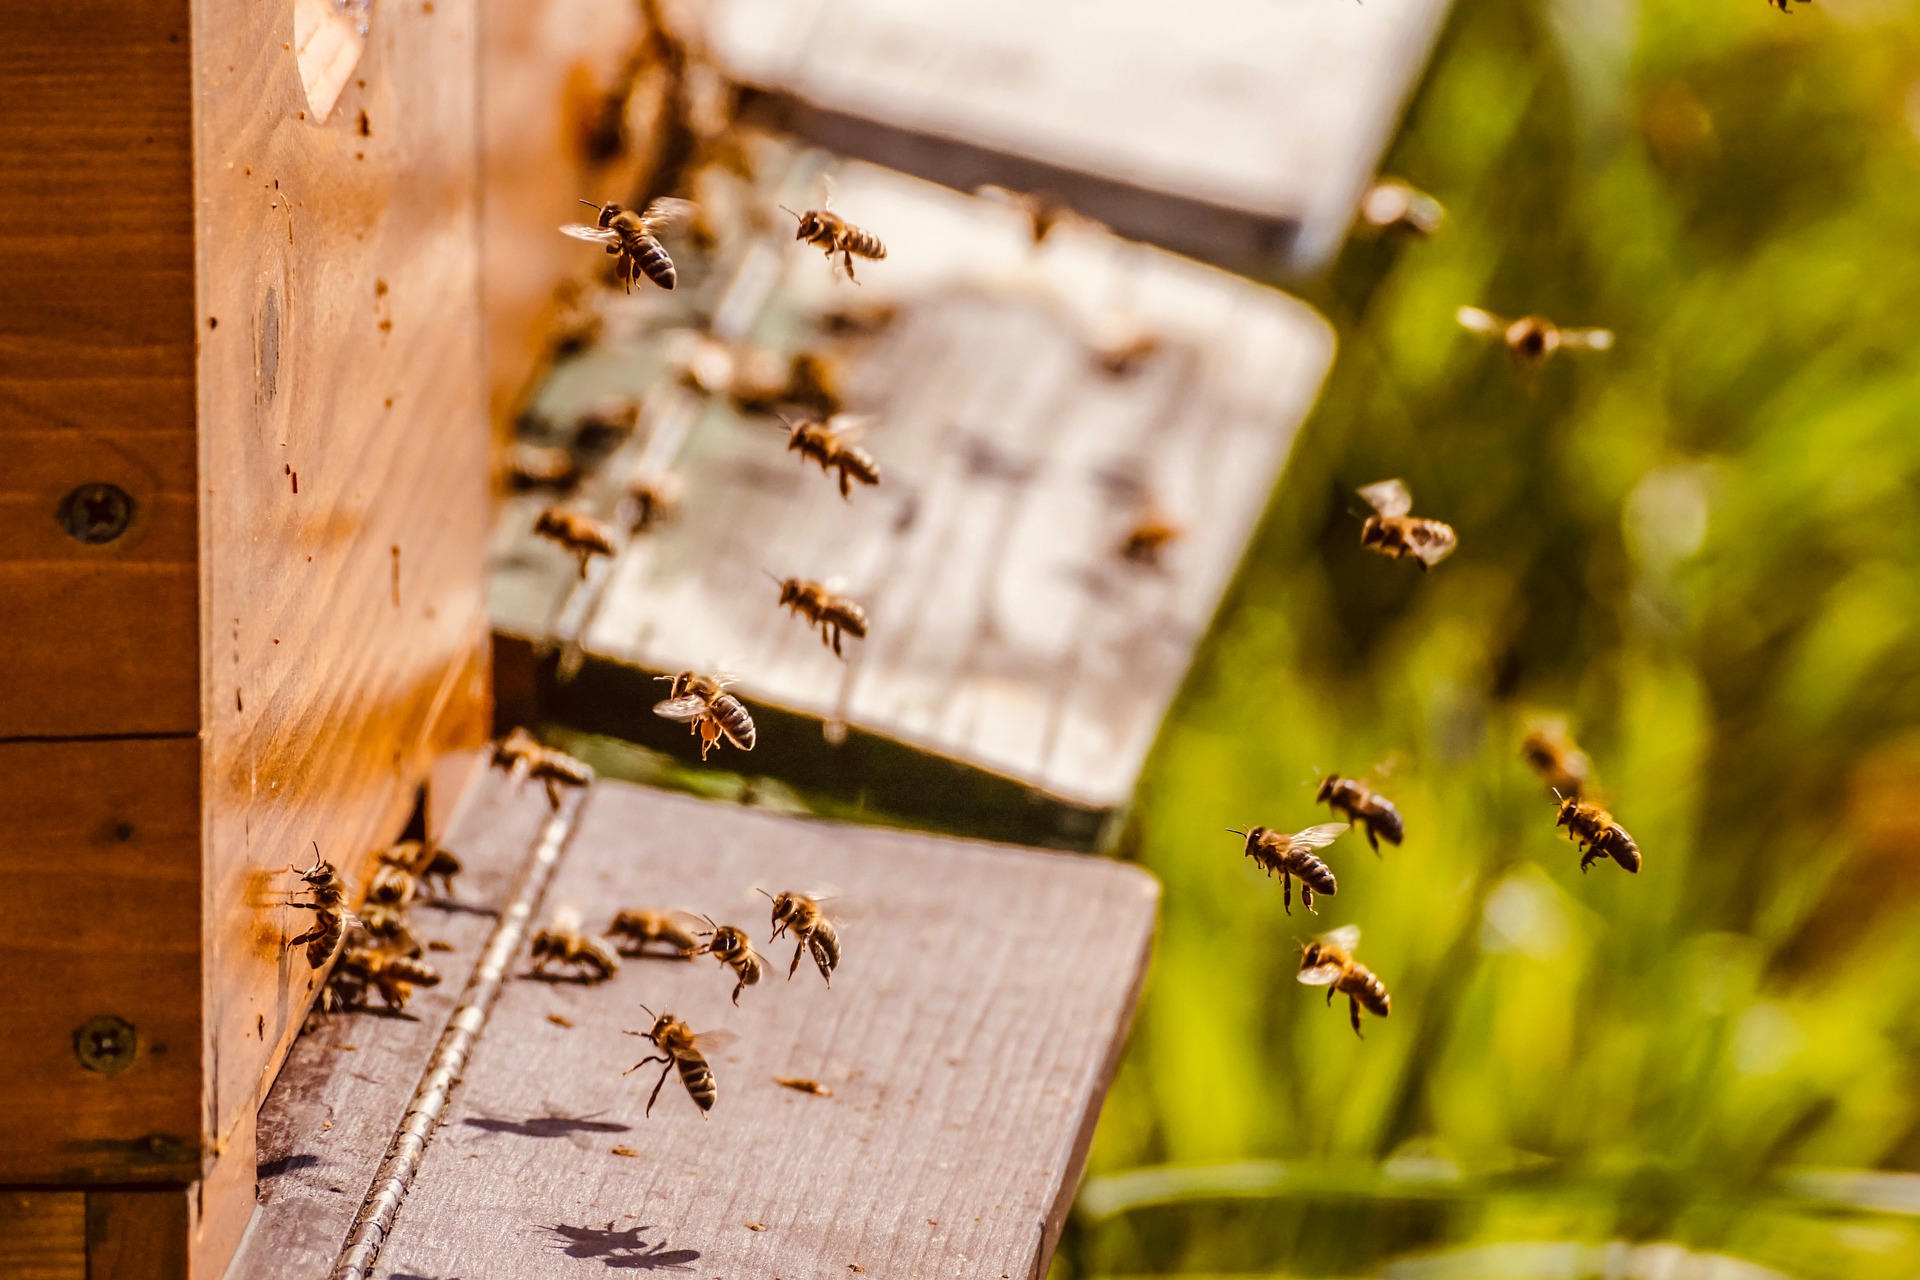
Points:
x=242 y=520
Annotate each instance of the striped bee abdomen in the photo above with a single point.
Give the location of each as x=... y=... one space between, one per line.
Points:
x=698 y=1077
x=647 y=255
x=1370 y=992
x=1314 y=873
x=734 y=720
x=825 y=946
x=864 y=243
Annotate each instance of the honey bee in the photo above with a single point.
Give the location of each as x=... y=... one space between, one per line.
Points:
x=680 y=1049
x=1395 y=534
x=387 y=926
x=541 y=466
x=859 y=319
x=1597 y=834
x=525 y=757
x=812 y=931
x=330 y=916
x=1328 y=962
x=578 y=532
x=1276 y=852
x=429 y=862
x=1043 y=211
x=609 y=419
x=652 y=499
x=703 y=702
x=640 y=928
x=834 y=234
x=1390 y=204
x=1531 y=339
x=1150 y=536
x=393 y=976
x=1363 y=805
x=633 y=238
x=562 y=942
x=821 y=608
x=1559 y=761
x=392 y=886
x=732 y=948
x=831 y=444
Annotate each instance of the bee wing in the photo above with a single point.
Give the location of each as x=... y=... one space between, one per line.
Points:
x=566 y=919
x=599 y=235
x=1478 y=321
x=849 y=427
x=1591 y=339
x=713 y=1041
x=1317 y=837
x=1434 y=542
x=689 y=708
x=1389 y=497
x=1346 y=937
x=667 y=214
x=825 y=183
x=1321 y=975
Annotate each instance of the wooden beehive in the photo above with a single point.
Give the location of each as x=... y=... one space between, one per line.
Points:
x=242 y=516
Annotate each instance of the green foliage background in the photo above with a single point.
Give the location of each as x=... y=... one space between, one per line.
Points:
x=1703 y=548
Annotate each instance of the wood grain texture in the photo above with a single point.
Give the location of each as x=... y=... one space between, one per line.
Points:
x=344 y=461
x=968 y=1040
x=140 y=1235
x=1240 y=131
x=97 y=375
x=100 y=915
x=325 y=1126
x=43 y=1235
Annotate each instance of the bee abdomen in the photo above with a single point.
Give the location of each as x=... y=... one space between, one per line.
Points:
x=698 y=1077
x=1372 y=994
x=1386 y=823
x=825 y=945
x=865 y=243
x=852 y=619
x=1315 y=874
x=734 y=721
x=861 y=464
x=1619 y=846
x=650 y=257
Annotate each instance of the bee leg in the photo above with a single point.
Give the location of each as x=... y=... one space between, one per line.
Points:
x=664 y=1073
x=848 y=255
x=738 y=987
x=1286 y=892
x=799 y=945
x=1306 y=897
x=1329 y=997
x=836 y=641
x=1353 y=1005
x=820 y=961
x=1373 y=839
x=553 y=794
x=846 y=485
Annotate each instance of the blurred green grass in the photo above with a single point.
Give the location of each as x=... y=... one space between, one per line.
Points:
x=1703 y=548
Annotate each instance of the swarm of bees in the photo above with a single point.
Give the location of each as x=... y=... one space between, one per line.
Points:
x=380 y=953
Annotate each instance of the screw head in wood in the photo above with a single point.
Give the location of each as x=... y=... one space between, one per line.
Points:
x=105 y=1044
x=96 y=513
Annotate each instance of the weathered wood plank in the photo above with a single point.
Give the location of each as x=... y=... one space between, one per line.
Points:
x=967 y=1040
x=43 y=1235
x=139 y=1235
x=1239 y=131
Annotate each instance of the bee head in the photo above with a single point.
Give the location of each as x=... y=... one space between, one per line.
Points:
x=1252 y=836
x=1312 y=955
x=1567 y=806
x=1531 y=338
x=1328 y=785
x=608 y=212
x=811 y=224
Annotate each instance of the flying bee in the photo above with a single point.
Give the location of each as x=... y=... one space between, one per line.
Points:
x=525 y=757
x=859 y=319
x=640 y=928
x=1597 y=834
x=1390 y=204
x=578 y=532
x=703 y=702
x=1044 y=212
x=1152 y=533
x=1328 y=962
x=680 y=1049
x=831 y=444
x=1531 y=339
x=607 y=420
x=563 y=943
x=1363 y=805
x=427 y=861
x=732 y=948
x=1558 y=759
x=1277 y=853
x=812 y=931
x=633 y=238
x=834 y=234
x=1392 y=532
x=653 y=498
x=330 y=916
x=393 y=976
x=821 y=608
x=541 y=466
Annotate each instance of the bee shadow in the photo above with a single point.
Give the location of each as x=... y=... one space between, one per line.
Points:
x=622 y=1249
x=562 y=979
x=545 y=1126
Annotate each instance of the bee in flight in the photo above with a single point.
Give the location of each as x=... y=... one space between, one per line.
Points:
x=1328 y=962
x=812 y=931
x=732 y=948
x=831 y=613
x=578 y=532
x=1390 y=204
x=831 y=444
x=1558 y=759
x=1531 y=339
x=1152 y=533
x=681 y=1049
x=1045 y=213
x=1392 y=532
x=834 y=234
x=641 y=927
x=1363 y=805
x=703 y=702
x=634 y=238
x=330 y=916
x=653 y=499
x=563 y=943
x=1598 y=835
x=1277 y=853
x=525 y=757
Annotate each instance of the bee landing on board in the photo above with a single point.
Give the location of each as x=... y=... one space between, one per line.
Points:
x=1328 y=962
x=732 y=948
x=330 y=916
x=640 y=927
x=831 y=444
x=1277 y=853
x=1598 y=835
x=834 y=234
x=1362 y=805
x=634 y=238
x=393 y=976
x=578 y=532
x=428 y=862
x=525 y=757
x=831 y=613
x=562 y=942
x=1531 y=339
x=1392 y=205
x=1557 y=758
x=680 y=1049
x=812 y=931
x=704 y=703
x=1392 y=532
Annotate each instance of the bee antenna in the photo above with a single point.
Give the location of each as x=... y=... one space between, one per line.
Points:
x=763 y=893
x=590 y=204
x=1237 y=831
x=650 y=1013
x=776 y=581
x=796 y=216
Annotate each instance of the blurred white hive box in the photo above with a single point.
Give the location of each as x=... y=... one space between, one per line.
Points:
x=1241 y=132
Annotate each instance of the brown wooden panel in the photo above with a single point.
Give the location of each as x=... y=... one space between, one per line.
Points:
x=96 y=376
x=967 y=1039
x=100 y=917
x=43 y=1235
x=139 y=1235
x=344 y=455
